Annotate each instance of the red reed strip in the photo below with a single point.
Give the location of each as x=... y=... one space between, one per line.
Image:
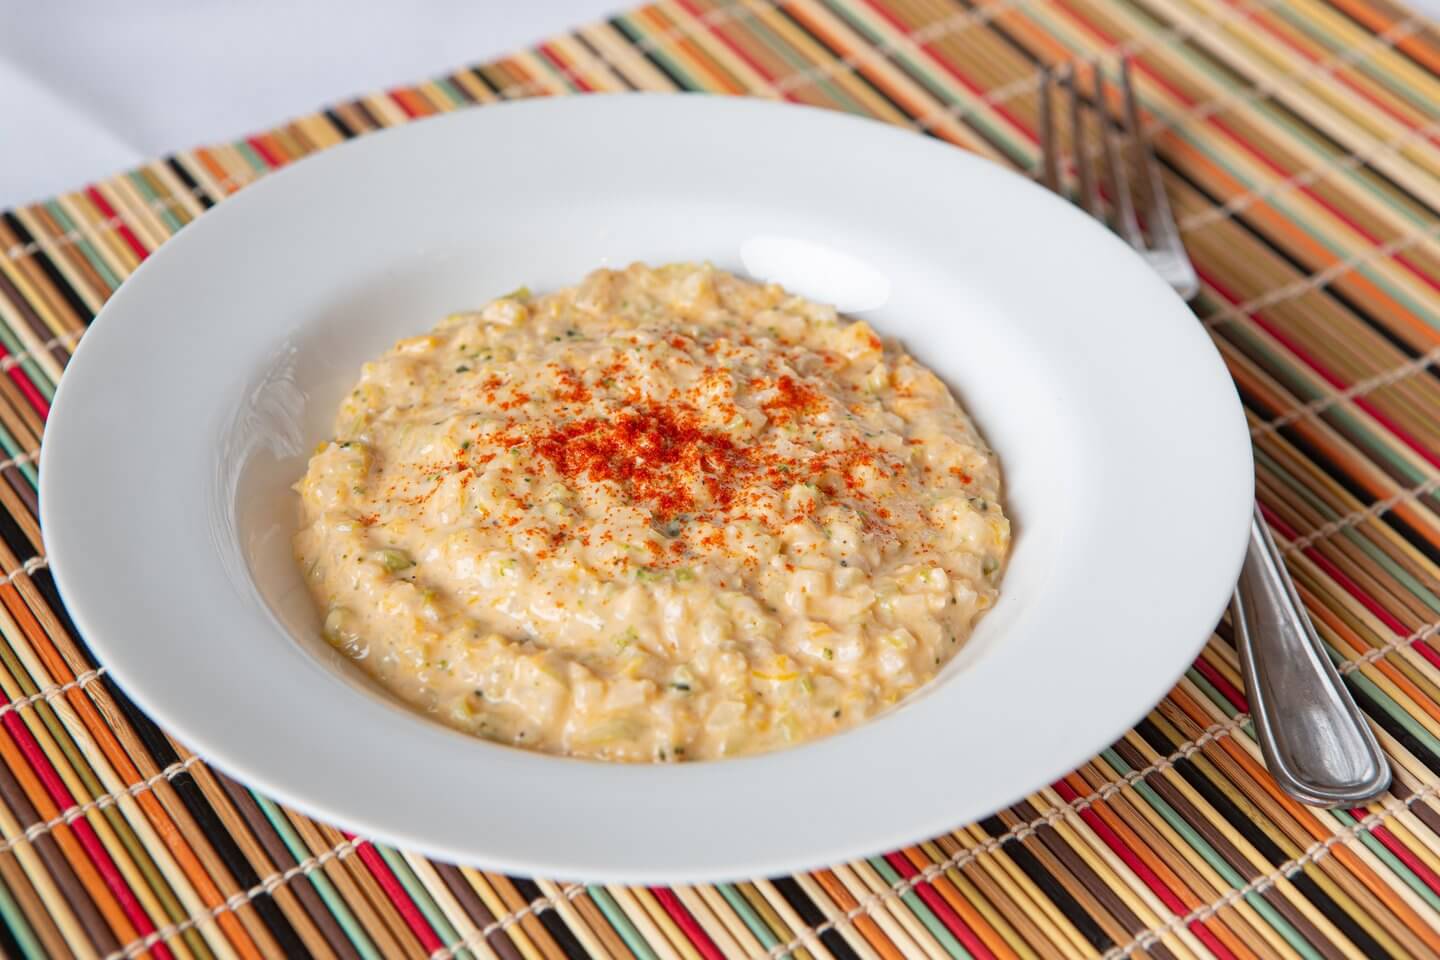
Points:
x=27 y=387
x=736 y=48
x=1250 y=148
x=1300 y=353
x=688 y=925
x=944 y=62
x=1329 y=207
x=940 y=908
x=1148 y=876
x=54 y=786
x=103 y=205
x=82 y=830
x=1336 y=574
x=550 y=53
x=1268 y=26
x=412 y=104
x=388 y=882
x=1399 y=432
x=1227 y=690
x=406 y=107
x=1426 y=875
x=271 y=158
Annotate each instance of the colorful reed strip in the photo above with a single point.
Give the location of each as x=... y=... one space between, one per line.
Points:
x=1302 y=149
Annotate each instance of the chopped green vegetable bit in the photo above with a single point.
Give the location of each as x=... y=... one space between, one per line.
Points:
x=682 y=687
x=462 y=369
x=684 y=573
x=394 y=560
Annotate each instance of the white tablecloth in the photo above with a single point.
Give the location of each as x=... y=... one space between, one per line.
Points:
x=88 y=88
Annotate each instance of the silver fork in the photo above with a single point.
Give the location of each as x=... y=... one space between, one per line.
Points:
x=1315 y=742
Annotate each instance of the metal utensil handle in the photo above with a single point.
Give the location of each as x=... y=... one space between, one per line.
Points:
x=1315 y=741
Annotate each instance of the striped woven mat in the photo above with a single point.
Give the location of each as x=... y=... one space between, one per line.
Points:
x=1302 y=145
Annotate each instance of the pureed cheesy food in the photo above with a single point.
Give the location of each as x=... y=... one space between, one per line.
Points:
x=667 y=514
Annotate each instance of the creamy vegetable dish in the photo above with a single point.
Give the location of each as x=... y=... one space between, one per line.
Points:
x=667 y=514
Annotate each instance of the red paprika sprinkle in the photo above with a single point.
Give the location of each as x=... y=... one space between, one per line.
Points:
x=655 y=452
x=792 y=399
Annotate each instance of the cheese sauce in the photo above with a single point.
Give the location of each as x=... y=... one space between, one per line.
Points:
x=667 y=514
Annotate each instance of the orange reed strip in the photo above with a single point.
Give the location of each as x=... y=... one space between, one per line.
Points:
x=217 y=171
x=962 y=906
x=249 y=847
x=1112 y=811
x=711 y=73
x=183 y=849
x=1418 y=47
x=65 y=839
x=909 y=97
x=1352 y=639
x=864 y=923
x=1230 y=926
x=120 y=760
x=1337 y=451
x=291 y=143
x=1280 y=228
x=937 y=116
x=1351 y=561
x=983 y=877
x=1016 y=22
x=1262 y=785
x=1343 y=865
x=1124 y=814
x=1352 y=79
x=741 y=42
x=413 y=102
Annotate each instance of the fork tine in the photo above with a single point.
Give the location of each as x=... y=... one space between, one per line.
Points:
x=1119 y=176
x=1162 y=220
x=1050 y=150
x=1089 y=199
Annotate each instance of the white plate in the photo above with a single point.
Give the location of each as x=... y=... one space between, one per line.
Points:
x=214 y=370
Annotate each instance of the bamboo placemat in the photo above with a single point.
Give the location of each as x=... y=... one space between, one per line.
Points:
x=1302 y=146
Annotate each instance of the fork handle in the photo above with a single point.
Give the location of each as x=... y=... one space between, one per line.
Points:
x=1315 y=742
